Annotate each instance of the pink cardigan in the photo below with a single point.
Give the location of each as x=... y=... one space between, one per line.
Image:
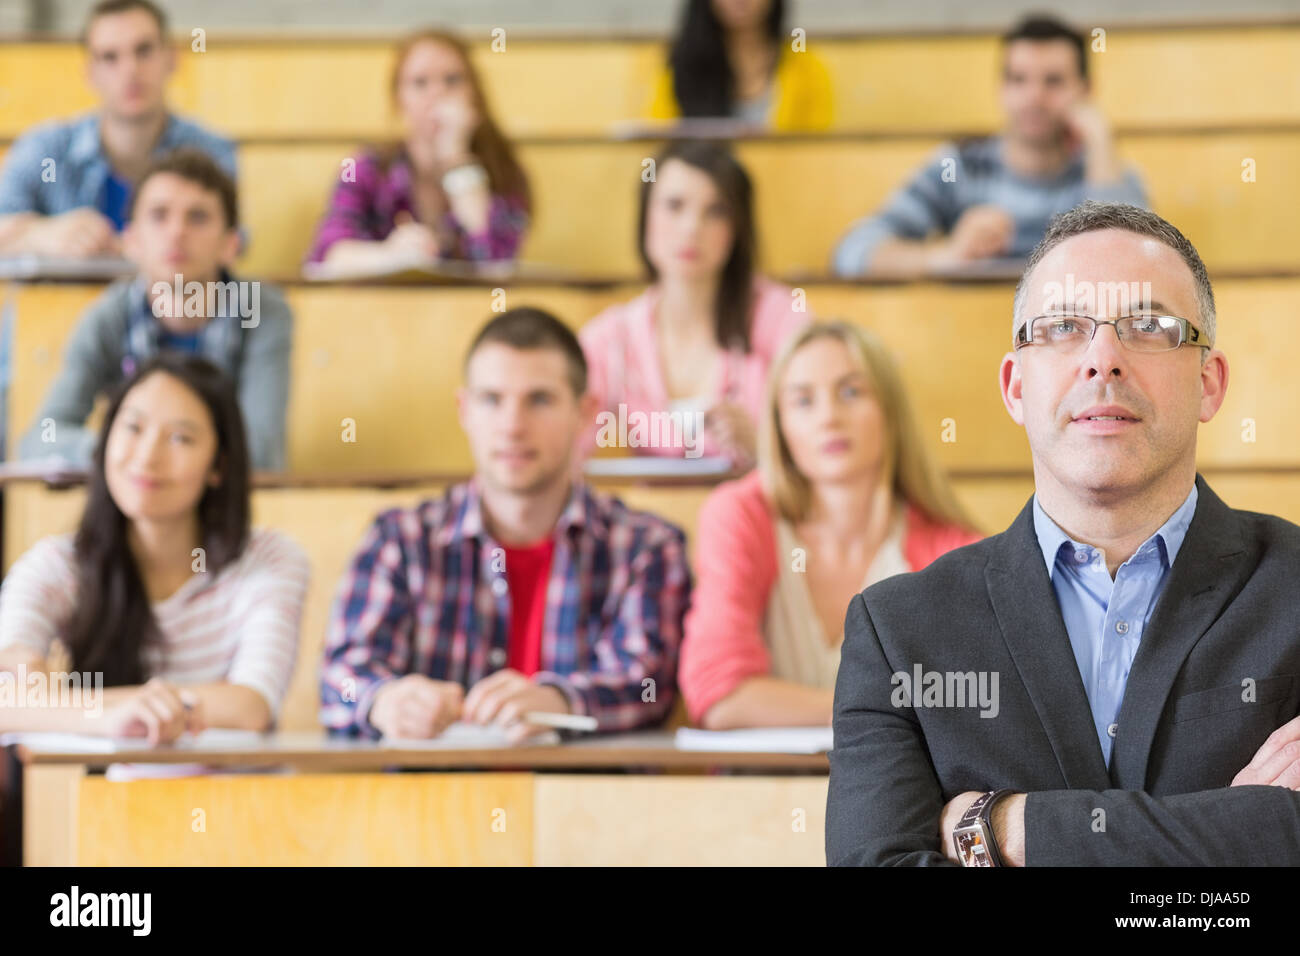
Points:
x=735 y=570
x=624 y=365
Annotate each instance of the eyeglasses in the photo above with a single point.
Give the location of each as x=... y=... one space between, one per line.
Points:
x=1141 y=333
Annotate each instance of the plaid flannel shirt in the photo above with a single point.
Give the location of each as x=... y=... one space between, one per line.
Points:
x=427 y=593
x=365 y=206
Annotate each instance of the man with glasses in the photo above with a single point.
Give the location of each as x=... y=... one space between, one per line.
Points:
x=1142 y=638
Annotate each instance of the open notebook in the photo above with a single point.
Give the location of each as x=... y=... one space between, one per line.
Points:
x=759 y=740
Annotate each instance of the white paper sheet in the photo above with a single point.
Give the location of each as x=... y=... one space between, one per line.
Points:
x=776 y=740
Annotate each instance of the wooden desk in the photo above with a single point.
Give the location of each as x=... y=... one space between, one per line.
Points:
x=333 y=804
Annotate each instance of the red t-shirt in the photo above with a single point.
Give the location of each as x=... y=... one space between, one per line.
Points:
x=528 y=569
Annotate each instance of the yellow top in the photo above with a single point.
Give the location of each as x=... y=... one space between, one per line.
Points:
x=801 y=94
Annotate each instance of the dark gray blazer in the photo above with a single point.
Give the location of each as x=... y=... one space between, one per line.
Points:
x=1230 y=611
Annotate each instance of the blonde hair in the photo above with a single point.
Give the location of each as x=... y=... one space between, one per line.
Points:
x=909 y=469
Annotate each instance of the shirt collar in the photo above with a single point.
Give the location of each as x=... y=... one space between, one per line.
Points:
x=1170 y=535
x=578 y=513
x=87 y=146
x=171 y=136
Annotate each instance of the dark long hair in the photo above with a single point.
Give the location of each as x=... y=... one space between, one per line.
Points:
x=702 y=79
x=113 y=623
x=731 y=314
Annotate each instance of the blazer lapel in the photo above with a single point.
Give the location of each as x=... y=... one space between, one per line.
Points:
x=1212 y=566
x=1034 y=632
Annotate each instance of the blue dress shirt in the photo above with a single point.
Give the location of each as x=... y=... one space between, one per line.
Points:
x=1106 y=618
x=60 y=166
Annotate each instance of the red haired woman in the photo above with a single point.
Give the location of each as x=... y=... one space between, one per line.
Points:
x=451 y=188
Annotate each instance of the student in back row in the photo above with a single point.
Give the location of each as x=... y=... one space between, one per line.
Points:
x=451 y=188
x=735 y=59
x=184 y=228
x=992 y=197
x=191 y=617
x=844 y=495
x=699 y=340
x=520 y=590
x=66 y=187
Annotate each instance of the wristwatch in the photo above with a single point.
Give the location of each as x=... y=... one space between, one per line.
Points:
x=973 y=836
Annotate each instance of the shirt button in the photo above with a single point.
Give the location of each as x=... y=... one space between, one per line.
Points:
x=1121 y=627
x=1081 y=556
x=497 y=657
x=499 y=587
x=1112 y=729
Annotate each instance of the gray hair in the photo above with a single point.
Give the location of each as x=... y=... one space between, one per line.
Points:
x=1091 y=216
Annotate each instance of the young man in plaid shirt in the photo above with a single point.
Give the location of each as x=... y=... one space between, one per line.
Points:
x=519 y=590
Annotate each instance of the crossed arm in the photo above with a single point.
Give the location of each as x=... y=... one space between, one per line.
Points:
x=886 y=807
x=1208 y=828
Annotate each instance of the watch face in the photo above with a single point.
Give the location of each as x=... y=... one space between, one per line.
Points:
x=971 y=849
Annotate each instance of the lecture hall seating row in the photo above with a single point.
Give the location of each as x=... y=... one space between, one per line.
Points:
x=304 y=88
x=329 y=523
x=364 y=353
x=587 y=195
x=351 y=339
x=317 y=101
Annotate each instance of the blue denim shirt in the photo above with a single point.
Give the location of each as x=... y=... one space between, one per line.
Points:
x=60 y=166
x=1106 y=618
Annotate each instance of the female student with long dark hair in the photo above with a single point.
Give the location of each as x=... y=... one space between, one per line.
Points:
x=734 y=58
x=450 y=189
x=190 y=616
x=700 y=338
x=845 y=494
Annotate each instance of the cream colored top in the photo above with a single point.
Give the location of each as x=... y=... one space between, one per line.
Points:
x=800 y=651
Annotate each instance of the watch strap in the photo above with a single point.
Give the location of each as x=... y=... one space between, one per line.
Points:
x=979 y=813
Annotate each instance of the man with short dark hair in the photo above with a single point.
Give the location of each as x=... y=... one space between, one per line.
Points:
x=992 y=197
x=65 y=187
x=519 y=591
x=183 y=236
x=1113 y=679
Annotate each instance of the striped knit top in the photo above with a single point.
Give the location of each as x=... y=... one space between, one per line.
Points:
x=240 y=626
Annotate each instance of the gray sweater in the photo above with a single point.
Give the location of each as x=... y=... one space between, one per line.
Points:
x=93 y=364
x=973 y=173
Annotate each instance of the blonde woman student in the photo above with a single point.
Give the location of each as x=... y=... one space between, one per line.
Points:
x=844 y=495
